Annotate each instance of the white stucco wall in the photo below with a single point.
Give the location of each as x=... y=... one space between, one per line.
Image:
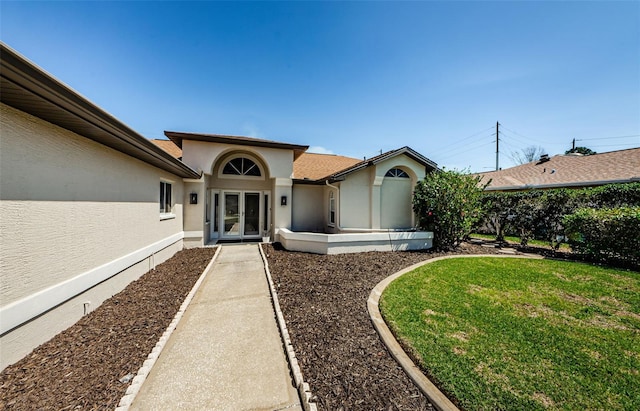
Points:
x=69 y=208
x=308 y=208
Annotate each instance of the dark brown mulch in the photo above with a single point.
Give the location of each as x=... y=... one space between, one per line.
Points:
x=324 y=302
x=81 y=367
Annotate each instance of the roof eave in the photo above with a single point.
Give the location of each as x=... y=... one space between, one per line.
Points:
x=28 y=88
x=177 y=137
x=408 y=151
x=591 y=183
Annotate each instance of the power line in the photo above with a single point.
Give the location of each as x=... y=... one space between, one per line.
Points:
x=613 y=145
x=456 y=150
x=517 y=140
x=457 y=147
x=606 y=138
x=464 y=151
x=463 y=140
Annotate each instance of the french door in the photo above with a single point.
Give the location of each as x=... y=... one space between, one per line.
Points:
x=244 y=215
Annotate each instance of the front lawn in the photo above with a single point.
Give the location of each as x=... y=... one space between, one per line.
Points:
x=506 y=333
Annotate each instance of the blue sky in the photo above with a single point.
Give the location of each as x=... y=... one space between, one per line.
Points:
x=352 y=78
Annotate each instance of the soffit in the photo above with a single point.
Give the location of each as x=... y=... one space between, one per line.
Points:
x=28 y=88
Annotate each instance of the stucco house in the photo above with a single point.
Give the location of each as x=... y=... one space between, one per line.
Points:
x=88 y=205
x=253 y=188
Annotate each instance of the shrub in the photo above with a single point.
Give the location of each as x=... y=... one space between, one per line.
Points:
x=539 y=213
x=608 y=234
x=447 y=203
x=554 y=205
x=498 y=211
x=527 y=216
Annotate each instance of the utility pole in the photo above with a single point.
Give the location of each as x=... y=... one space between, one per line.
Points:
x=573 y=145
x=497 y=144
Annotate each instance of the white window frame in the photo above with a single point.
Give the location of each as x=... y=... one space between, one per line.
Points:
x=396 y=172
x=241 y=177
x=332 y=209
x=164 y=213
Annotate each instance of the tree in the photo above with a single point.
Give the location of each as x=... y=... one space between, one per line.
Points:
x=581 y=150
x=527 y=155
x=448 y=203
x=499 y=208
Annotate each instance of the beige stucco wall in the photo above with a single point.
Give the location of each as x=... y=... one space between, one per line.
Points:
x=395 y=207
x=355 y=202
x=69 y=205
x=194 y=214
x=203 y=155
x=308 y=210
x=412 y=167
x=364 y=197
x=22 y=340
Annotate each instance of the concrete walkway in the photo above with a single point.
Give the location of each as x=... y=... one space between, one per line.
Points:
x=226 y=353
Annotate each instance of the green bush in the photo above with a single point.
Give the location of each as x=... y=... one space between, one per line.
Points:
x=607 y=234
x=539 y=214
x=447 y=203
x=498 y=208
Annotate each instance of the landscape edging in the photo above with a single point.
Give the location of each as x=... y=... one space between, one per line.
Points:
x=143 y=372
x=304 y=391
x=435 y=396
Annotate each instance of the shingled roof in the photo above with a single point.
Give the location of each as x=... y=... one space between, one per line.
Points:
x=621 y=166
x=169 y=146
x=312 y=166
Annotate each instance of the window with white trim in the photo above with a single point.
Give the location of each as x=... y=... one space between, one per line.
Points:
x=332 y=208
x=241 y=166
x=165 y=197
x=396 y=172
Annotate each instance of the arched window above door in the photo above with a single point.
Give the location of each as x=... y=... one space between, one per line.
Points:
x=241 y=166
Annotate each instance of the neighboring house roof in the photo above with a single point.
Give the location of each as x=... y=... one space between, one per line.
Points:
x=339 y=174
x=169 y=146
x=178 y=137
x=621 y=166
x=27 y=87
x=313 y=166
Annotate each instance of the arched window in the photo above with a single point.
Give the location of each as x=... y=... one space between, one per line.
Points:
x=241 y=166
x=396 y=172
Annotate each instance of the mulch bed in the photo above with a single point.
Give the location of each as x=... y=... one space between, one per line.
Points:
x=324 y=302
x=81 y=367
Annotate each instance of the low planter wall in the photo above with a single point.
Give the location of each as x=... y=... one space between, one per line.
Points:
x=320 y=243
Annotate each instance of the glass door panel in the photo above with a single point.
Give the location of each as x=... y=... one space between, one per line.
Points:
x=231 y=214
x=251 y=213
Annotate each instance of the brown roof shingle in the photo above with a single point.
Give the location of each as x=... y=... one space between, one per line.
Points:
x=314 y=166
x=568 y=171
x=169 y=146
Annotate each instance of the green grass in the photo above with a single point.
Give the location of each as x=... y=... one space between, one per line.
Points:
x=516 y=240
x=506 y=333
